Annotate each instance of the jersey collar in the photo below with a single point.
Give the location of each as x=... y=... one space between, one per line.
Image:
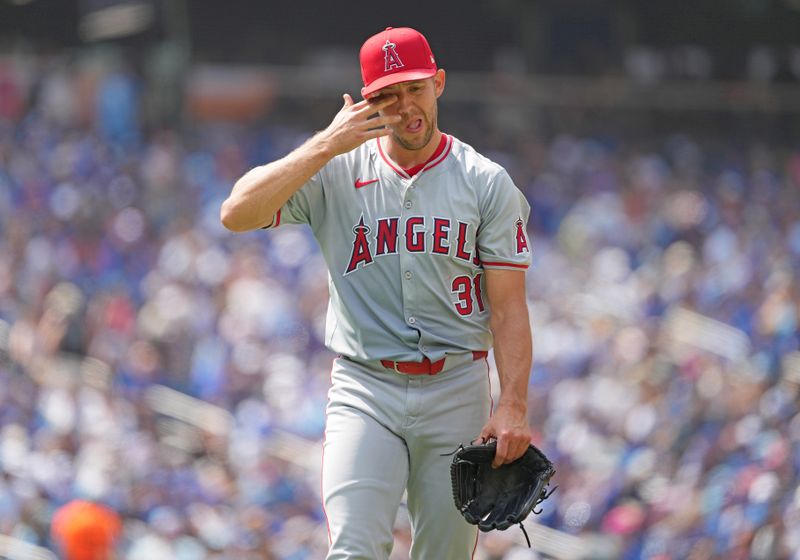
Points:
x=437 y=158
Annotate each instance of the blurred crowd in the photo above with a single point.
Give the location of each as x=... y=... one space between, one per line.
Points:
x=116 y=278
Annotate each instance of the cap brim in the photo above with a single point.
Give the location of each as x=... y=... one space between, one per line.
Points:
x=396 y=78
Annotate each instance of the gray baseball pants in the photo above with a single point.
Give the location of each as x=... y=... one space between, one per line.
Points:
x=386 y=432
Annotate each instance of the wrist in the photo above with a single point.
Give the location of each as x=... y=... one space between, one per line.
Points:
x=514 y=403
x=322 y=147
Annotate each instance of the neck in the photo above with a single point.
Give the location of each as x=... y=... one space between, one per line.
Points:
x=409 y=158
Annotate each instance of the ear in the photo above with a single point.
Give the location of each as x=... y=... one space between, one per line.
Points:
x=438 y=82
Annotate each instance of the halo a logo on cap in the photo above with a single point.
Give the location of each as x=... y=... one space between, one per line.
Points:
x=390 y=57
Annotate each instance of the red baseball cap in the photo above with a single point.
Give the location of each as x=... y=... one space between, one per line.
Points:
x=395 y=55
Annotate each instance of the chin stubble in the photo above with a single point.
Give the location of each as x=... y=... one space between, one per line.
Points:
x=428 y=134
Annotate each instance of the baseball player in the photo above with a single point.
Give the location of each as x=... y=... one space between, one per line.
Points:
x=426 y=245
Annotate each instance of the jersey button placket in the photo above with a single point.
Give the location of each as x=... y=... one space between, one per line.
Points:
x=416 y=382
x=406 y=266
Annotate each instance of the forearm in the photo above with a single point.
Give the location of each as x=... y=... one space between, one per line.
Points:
x=513 y=354
x=261 y=192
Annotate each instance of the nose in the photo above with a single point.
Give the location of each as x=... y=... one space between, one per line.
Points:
x=403 y=102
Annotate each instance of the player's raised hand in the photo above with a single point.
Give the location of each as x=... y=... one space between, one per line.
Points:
x=355 y=123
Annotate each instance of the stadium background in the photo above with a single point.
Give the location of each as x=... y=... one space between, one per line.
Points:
x=156 y=363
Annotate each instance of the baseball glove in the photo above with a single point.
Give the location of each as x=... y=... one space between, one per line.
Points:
x=498 y=498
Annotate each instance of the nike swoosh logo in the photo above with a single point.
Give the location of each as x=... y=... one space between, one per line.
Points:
x=360 y=183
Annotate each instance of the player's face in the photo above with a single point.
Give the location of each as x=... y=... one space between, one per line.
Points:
x=416 y=104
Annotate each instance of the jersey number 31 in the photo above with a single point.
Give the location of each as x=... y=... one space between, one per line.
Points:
x=463 y=287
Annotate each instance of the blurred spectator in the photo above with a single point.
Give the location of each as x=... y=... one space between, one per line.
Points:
x=118 y=108
x=11 y=96
x=86 y=531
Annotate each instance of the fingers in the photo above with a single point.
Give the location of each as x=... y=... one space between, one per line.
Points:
x=382 y=129
x=376 y=104
x=373 y=104
x=500 y=456
x=510 y=444
x=383 y=121
x=382 y=101
x=377 y=133
x=510 y=447
x=367 y=107
x=353 y=125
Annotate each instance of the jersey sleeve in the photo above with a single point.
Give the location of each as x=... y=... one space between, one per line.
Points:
x=305 y=206
x=502 y=237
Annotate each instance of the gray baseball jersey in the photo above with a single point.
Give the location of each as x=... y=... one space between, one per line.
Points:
x=406 y=254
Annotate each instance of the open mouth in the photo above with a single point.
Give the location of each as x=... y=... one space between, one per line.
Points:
x=414 y=126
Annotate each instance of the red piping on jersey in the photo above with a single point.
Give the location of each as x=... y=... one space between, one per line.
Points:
x=512 y=265
x=491 y=409
x=446 y=153
x=414 y=169
x=277 y=220
x=397 y=170
x=427 y=165
x=489 y=379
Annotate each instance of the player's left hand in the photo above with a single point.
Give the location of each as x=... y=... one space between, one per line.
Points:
x=509 y=426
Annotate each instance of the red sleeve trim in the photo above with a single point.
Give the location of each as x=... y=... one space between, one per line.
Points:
x=276 y=221
x=512 y=265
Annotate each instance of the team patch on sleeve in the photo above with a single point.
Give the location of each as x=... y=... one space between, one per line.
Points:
x=521 y=239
